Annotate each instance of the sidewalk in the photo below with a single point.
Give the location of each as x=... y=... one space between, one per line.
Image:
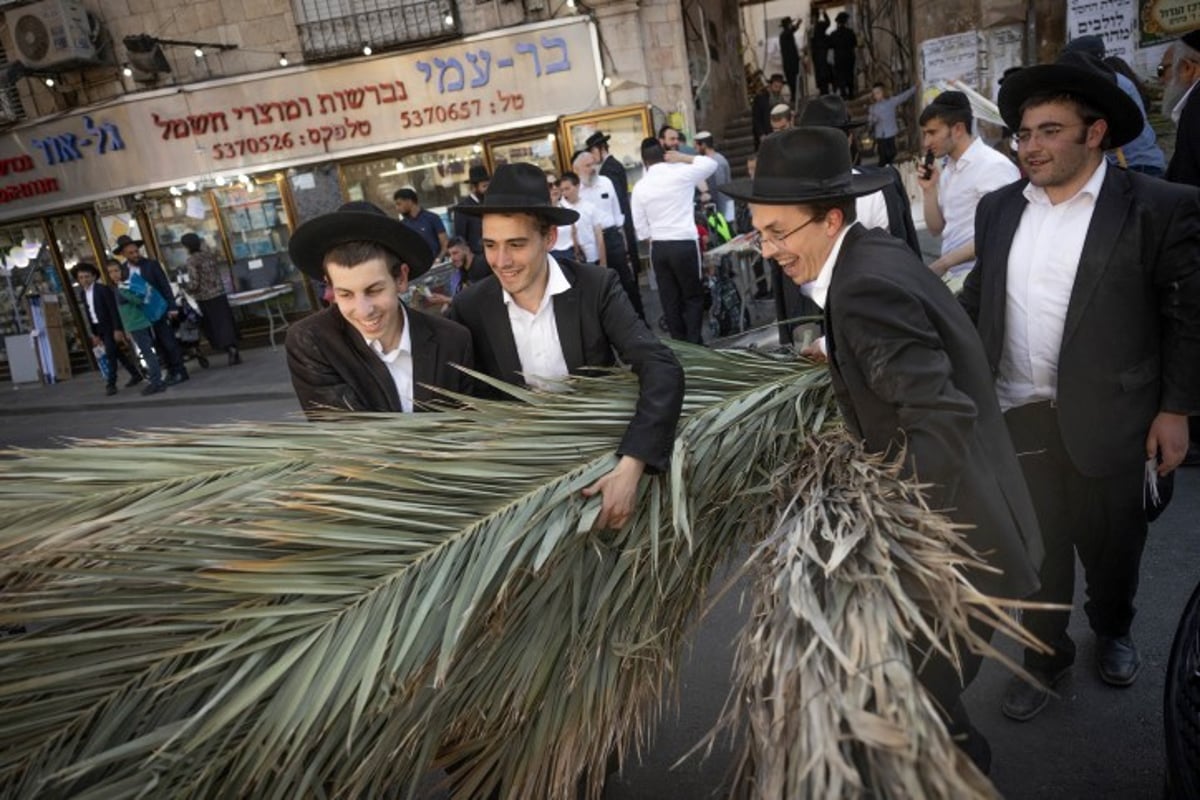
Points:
x=262 y=375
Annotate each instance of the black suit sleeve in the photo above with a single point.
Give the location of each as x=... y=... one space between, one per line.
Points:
x=650 y=436
x=1185 y=161
x=107 y=312
x=1177 y=277
x=318 y=383
x=972 y=288
x=900 y=353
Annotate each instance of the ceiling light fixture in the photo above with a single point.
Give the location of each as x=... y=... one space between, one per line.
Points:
x=198 y=52
x=283 y=62
x=50 y=82
x=366 y=49
x=127 y=71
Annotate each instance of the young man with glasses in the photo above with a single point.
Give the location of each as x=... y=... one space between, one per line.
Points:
x=908 y=370
x=1086 y=295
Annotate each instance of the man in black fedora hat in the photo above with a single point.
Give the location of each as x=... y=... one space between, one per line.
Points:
x=368 y=351
x=164 y=335
x=768 y=98
x=1086 y=293
x=466 y=227
x=104 y=323
x=908 y=369
x=611 y=167
x=538 y=319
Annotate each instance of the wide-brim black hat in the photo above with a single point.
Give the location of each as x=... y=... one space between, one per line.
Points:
x=519 y=189
x=803 y=165
x=477 y=174
x=1079 y=74
x=828 y=111
x=357 y=221
x=597 y=139
x=124 y=240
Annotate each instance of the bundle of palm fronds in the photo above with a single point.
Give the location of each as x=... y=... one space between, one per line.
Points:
x=854 y=573
x=338 y=609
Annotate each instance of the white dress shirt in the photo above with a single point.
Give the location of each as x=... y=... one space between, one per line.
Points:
x=963 y=182
x=818 y=288
x=871 y=209
x=1177 y=111
x=585 y=229
x=399 y=362
x=661 y=202
x=91 y=303
x=603 y=198
x=1042 y=264
x=538 y=346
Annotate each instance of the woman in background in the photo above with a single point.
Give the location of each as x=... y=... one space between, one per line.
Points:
x=203 y=282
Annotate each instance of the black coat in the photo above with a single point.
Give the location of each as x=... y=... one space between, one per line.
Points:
x=614 y=170
x=909 y=372
x=1185 y=162
x=469 y=227
x=596 y=325
x=760 y=110
x=1131 y=341
x=333 y=368
x=105 y=301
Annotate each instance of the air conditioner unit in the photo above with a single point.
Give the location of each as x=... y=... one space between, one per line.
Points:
x=52 y=33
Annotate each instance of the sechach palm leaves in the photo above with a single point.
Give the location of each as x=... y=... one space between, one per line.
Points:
x=336 y=609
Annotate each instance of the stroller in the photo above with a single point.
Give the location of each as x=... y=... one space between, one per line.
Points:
x=187 y=331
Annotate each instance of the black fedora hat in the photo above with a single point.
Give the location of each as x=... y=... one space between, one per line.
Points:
x=1082 y=75
x=828 y=111
x=124 y=240
x=478 y=173
x=597 y=139
x=802 y=165
x=519 y=189
x=357 y=221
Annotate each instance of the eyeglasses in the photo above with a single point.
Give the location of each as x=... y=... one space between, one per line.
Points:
x=1045 y=133
x=1166 y=66
x=756 y=241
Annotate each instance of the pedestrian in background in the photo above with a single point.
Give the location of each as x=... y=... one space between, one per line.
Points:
x=132 y=307
x=204 y=283
x=763 y=105
x=881 y=116
x=104 y=323
x=153 y=273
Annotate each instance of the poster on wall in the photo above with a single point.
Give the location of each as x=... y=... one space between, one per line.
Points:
x=1002 y=49
x=1113 y=20
x=948 y=58
x=1163 y=20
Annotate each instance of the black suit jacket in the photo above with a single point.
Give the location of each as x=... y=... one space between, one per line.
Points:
x=1131 y=341
x=1185 y=161
x=469 y=227
x=614 y=170
x=760 y=109
x=105 y=302
x=909 y=372
x=333 y=368
x=596 y=325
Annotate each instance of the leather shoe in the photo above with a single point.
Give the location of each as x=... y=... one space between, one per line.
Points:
x=155 y=388
x=1023 y=700
x=1117 y=659
x=176 y=378
x=110 y=389
x=134 y=381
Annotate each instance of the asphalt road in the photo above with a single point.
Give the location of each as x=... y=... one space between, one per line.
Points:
x=1097 y=742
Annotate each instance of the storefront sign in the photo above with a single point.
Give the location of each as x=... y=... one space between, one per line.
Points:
x=471 y=86
x=1110 y=19
x=1166 y=19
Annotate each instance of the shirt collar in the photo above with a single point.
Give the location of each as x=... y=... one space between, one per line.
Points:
x=818 y=287
x=1036 y=195
x=405 y=345
x=1177 y=111
x=556 y=284
x=967 y=155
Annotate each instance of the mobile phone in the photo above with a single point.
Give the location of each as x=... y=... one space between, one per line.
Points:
x=927 y=166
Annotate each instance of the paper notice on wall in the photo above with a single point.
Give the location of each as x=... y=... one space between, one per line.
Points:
x=1003 y=49
x=1111 y=19
x=949 y=58
x=196 y=208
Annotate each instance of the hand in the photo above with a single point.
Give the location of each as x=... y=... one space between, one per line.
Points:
x=173 y=314
x=929 y=184
x=619 y=491
x=676 y=157
x=119 y=336
x=437 y=299
x=1168 y=440
x=815 y=352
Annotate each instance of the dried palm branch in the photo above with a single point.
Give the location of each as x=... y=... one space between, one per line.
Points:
x=855 y=570
x=297 y=610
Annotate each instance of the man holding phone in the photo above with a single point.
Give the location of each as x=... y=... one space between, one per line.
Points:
x=951 y=191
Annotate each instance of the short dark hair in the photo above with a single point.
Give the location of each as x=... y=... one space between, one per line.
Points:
x=663 y=130
x=84 y=266
x=652 y=151
x=948 y=115
x=457 y=241
x=405 y=193
x=1087 y=112
x=351 y=254
x=569 y=177
x=776 y=78
x=878 y=85
x=820 y=209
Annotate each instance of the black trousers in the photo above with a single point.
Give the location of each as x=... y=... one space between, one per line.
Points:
x=1101 y=519
x=677 y=267
x=885 y=147
x=168 y=346
x=617 y=255
x=117 y=356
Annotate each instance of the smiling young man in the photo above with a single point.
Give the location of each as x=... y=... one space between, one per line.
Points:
x=1087 y=297
x=909 y=372
x=368 y=352
x=540 y=319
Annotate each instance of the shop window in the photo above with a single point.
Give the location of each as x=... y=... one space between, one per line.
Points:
x=538 y=150
x=114 y=226
x=626 y=126
x=439 y=178
x=173 y=216
x=28 y=271
x=333 y=28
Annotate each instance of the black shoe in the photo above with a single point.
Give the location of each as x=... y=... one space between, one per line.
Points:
x=134 y=381
x=176 y=378
x=110 y=389
x=1117 y=659
x=155 y=388
x=1023 y=700
x=235 y=357
x=1192 y=458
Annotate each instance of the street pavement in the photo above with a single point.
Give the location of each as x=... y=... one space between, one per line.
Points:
x=1096 y=742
